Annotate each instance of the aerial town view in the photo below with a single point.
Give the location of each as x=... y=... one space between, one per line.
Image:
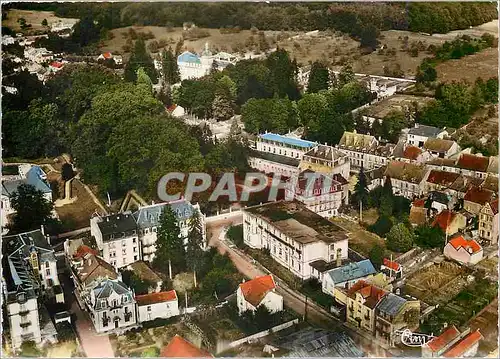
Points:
x=249 y=179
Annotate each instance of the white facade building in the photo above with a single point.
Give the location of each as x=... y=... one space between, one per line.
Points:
x=326 y=160
x=260 y=291
x=117 y=238
x=157 y=305
x=294 y=235
x=38 y=55
x=407 y=179
x=418 y=135
x=148 y=219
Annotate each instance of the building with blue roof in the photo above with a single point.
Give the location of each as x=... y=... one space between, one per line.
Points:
x=34 y=176
x=344 y=276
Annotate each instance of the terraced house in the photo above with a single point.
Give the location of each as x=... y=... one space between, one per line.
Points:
x=488 y=222
x=407 y=179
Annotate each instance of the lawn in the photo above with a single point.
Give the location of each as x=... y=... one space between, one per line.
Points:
x=360 y=240
x=34 y=18
x=483 y=64
x=77 y=214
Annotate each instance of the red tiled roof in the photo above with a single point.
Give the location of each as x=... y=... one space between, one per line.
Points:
x=57 y=64
x=256 y=289
x=412 y=152
x=181 y=348
x=371 y=293
x=442 y=177
x=391 y=264
x=478 y=195
x=152 y=298
x=444 y=339
x=474 y=163
x=461 y=242
x=464 y=345
x=443 y=219
x=494 y=206
x=83 y=250
x=107 y=55
x=171 y=108
x=419 y=202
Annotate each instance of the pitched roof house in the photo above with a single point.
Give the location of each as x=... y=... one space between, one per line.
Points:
x=450 y=222
x=407 y=178
x=362 y=298
x=259 y=291
x=346 y=275
x=453 y=344
x=466 y=347
x=441 y=148
x=463 y=250
x=476 y=198
x=181 y=348
x=157 y=305
x=438 y=345
x=488 y=222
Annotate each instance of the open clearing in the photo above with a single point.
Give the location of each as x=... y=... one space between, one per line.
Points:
x=34 y=18
x=438 y=283
x=483 y=64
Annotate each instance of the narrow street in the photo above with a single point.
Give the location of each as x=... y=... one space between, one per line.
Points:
x=94 y=346
x=293 y=300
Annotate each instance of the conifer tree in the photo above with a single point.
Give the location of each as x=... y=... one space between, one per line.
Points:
x=140 y=58
x=169 y=244
x=319 y=78
x=169 y=65
x=194 y=247
x=361 y=188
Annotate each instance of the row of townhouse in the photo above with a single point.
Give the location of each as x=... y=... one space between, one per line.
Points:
x=29 y=274
x=127 y=237
x=111 y=304
x=298 y=160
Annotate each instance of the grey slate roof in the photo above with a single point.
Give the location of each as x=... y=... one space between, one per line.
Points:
x=33 y=178
x=440 y=197
x=107 y=287
x=149 y=216
x=425 y=131
x=117 y=223
x=352 y=271
x=294 y=162
x=391 y=304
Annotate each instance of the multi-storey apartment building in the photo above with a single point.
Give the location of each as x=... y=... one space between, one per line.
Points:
x=117 y=238
x=295 y=236
x=488 y=222
x=112 y=306
x=365 y=150
x=147 y=219
x=320 y=193
x=279 y=154
x=327 y=160
x=29 y=266
x=407 y=179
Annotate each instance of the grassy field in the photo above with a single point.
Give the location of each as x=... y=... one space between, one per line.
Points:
x=483 y=64
x=34 y=18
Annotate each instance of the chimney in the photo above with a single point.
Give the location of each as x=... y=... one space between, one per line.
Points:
x=42 y=228
x=339 y=258
x=47 y=237
x=89 y=261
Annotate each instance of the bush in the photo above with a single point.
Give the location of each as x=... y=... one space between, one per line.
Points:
x=151 y=352
x=235 y=234
x=382 y=226
x=29 y=349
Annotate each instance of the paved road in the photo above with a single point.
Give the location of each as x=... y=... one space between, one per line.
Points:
x=94 y=346
x=291 y=299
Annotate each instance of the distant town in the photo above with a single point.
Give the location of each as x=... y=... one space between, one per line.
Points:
x=380 y=123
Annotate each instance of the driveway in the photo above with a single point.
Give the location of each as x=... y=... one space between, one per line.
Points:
x=291 y=299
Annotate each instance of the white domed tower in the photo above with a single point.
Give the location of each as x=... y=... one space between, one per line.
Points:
x=207 y=59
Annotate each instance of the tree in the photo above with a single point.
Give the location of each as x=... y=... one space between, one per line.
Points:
x=85 y=31
x=222 y=108
x=30 y=349
x=277 y=115
x=195 y=244
x=150 y=352
x=313 y=112
x=400 y=239
x=360 y=194
x=144 y=80
x=67 y=172
x=426 y=73
x=262 y=317
x=386 y=199
x=169 y=244
x=32 y=209
x=345 y=76
x=139 y=285
x=382 y=226
x=170 y=69
x=319 y=78
x=376 y=256
x=282 y=76
x=140 y=58
x=427 y=236
x=44 y=22
x=368 y=36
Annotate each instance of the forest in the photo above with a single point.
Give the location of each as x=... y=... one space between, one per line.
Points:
x=356 y=19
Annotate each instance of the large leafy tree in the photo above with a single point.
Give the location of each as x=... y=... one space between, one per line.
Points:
x=144 y=80
x=278 y=115
x=169 y=244
x=32 y=209
x=400 y=239
x=140 y=58
x=319 y=78
x=376 y=255
x=282 y=74
x=427 y=236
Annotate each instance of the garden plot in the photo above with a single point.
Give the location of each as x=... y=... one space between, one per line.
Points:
x=438 y=283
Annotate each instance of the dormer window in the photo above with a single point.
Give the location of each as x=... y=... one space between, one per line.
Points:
x=125 y=300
